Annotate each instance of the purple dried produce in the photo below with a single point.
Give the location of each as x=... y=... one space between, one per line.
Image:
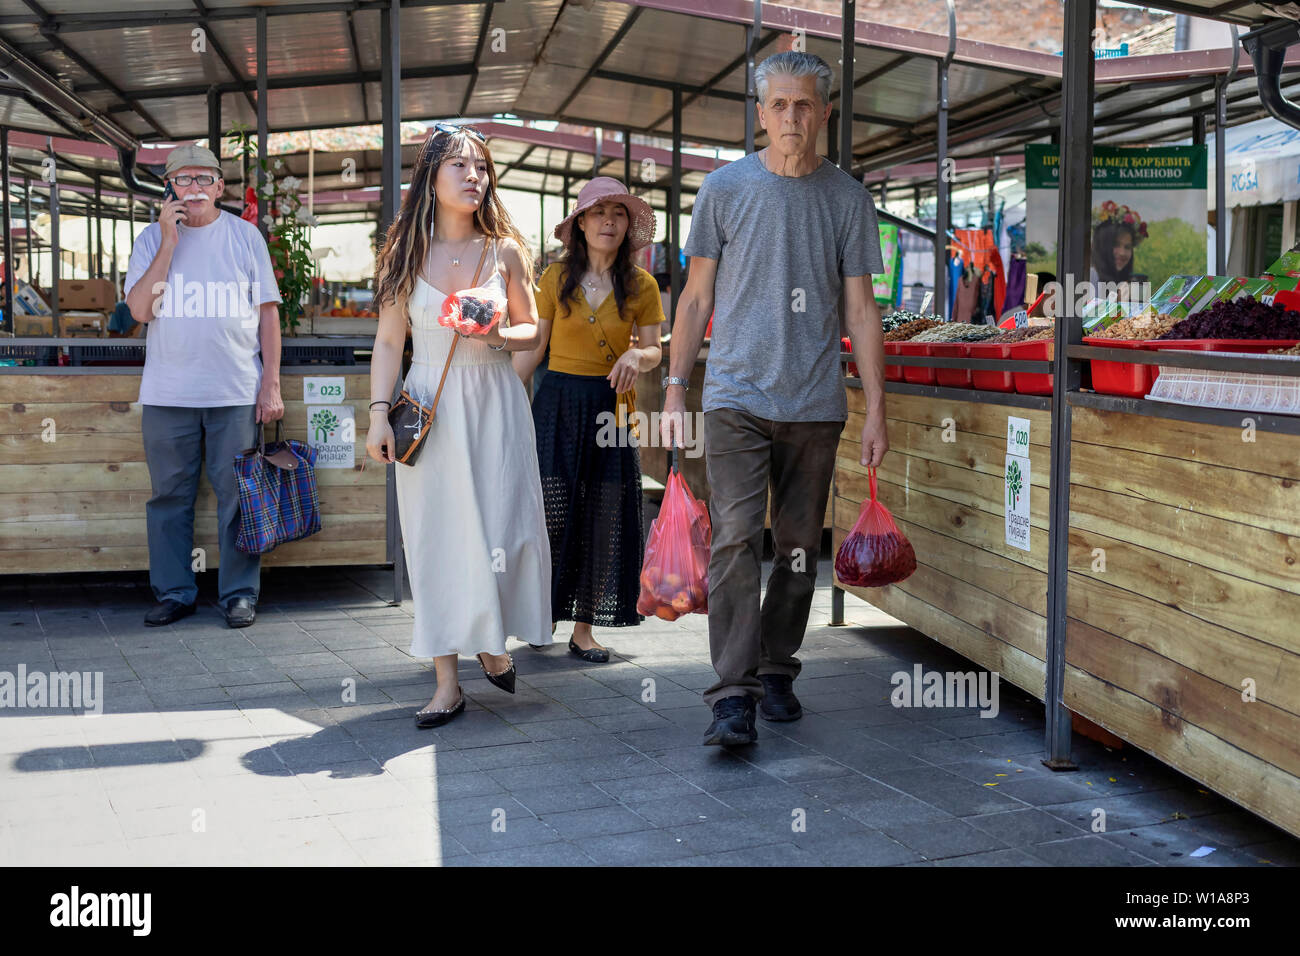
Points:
x=1247 y=318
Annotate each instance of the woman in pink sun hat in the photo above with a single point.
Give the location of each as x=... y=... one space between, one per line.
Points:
x=600 y=315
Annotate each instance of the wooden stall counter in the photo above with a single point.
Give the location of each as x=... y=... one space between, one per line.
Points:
x=1183 y=598
x=945 y=482
x=74 y=483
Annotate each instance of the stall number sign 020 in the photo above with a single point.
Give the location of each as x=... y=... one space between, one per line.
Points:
x=323 y=389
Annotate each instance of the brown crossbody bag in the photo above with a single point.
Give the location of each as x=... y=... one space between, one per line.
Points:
x=409 y=419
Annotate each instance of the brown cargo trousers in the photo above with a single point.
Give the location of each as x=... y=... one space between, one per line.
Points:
x=743 y=454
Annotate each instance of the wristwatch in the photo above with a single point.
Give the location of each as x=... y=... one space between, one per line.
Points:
x=674 y=380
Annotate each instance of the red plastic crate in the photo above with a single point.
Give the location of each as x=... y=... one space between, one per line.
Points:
x=1225 y=345
x=987 y=380
x=1122 y=378
x=952 y=377
x=917 y=374
x=893 y=373
x=1037 y=350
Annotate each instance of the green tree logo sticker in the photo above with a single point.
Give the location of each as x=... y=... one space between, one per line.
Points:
x=323 y=424
x=1015 y=484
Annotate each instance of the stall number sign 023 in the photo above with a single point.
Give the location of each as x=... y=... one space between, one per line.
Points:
x=322 y=389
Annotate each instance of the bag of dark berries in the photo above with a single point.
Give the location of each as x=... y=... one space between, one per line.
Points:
x=875 y=553
x=472 y=312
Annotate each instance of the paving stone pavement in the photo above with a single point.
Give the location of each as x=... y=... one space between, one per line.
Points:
x=291 y=742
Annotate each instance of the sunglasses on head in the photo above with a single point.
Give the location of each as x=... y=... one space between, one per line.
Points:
x=451 y=130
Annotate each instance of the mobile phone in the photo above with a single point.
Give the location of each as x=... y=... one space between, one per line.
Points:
x=170 y=193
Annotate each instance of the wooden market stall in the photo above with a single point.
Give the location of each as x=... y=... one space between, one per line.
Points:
x=73 y=478
x=943 y=481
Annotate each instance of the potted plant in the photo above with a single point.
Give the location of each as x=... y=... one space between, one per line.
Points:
x=288 y=226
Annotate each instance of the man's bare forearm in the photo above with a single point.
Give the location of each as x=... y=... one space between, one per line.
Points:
x=687 y=337
x=269 y=334
x=869 y=354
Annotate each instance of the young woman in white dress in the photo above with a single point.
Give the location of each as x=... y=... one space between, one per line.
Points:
x=472 y=518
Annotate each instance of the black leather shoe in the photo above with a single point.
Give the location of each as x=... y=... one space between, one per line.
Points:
x=425 y=719
x=779 y=702
x=592 y=655
x=240 y=612
x=505 y=680
x=165 y=612
x=733 y=723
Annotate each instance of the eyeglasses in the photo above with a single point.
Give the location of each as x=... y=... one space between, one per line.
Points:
x=453 y=130
x=187 y=180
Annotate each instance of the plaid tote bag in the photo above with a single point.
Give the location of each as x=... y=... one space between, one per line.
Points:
x=278 y=501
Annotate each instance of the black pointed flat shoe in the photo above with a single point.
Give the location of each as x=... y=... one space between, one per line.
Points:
x=592 y=655
x=505 y=680
x=425 y=719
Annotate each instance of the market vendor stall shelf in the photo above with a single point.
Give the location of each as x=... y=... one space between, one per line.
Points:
x=1183 y=598
x=73 y=478
x=945 y=482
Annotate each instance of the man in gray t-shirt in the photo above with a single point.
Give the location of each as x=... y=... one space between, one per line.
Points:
x=776 y=237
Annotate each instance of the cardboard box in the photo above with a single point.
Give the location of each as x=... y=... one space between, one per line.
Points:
x=1288 y=264
x=28 y=301
x=70 y=323
x=1180 y=296
x=96 y=294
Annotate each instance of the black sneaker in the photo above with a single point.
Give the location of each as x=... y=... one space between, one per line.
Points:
x=733 y=723
x=779 y=702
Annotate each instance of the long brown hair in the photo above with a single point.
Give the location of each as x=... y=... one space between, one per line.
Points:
x=577 y=257
x=407 y=242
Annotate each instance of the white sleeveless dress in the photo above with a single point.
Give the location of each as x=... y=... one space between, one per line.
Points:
x=472 y=519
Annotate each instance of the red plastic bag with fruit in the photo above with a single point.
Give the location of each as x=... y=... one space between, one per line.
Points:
x=675 y=573
x=472 y=312
x=875 y=553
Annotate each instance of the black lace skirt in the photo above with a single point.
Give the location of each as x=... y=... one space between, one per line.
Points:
x=591 y=488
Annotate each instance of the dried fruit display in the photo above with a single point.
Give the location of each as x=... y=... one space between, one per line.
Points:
x=1027 y=334
x=958 y=332
x=908 y=329
x=1246 y=319
x=1138 y=327
x=1293 y=350
x=901 y=317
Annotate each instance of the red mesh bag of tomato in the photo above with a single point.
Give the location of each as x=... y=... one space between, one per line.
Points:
x=472 y=312
x=675 y=572
x=875 y=553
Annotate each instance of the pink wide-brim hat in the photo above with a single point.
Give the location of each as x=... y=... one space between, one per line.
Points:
x=641 y=218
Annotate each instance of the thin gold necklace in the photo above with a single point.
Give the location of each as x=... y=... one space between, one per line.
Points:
x=455 y=260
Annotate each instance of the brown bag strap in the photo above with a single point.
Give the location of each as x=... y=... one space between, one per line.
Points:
x=456 y=341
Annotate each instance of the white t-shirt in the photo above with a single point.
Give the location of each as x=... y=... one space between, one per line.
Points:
x=203 y=349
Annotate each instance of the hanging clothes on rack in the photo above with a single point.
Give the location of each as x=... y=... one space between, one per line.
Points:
x=967 y=296
x=956 y=267
x=1017 y=275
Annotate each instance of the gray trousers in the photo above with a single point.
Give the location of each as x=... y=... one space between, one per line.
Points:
x=177 y=443
x=743 y=455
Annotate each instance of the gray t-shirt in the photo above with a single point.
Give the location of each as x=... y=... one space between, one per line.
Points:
x=783 y=245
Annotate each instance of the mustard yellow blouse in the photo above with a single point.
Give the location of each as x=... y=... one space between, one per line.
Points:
x=587 y=341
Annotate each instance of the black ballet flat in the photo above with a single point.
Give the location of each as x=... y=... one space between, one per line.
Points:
x=593 y=655
x=505 y=680
x=425 y=719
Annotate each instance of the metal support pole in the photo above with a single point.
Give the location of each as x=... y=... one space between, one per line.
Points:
x=541 y=228
x=942 y=205
x=54 y=241
x=130 y=217
x=627 y=158
x=1073 y=219
x=99 y=230
x=833 y=138
x=675 y=206
x=31 y=233
x=848 y=37
x=1198 y=129
x=390 y=98
x=214 y=121
x=752 y=34
x=90 y=246
x=8 y=236
x=116 y=289
x=263 y=204
x=1220 y=163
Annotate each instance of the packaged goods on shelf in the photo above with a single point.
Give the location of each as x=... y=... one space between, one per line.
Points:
x=1181 y=296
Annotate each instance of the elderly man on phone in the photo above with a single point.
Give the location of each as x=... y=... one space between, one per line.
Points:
x=775 y=238
x=203 y=283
